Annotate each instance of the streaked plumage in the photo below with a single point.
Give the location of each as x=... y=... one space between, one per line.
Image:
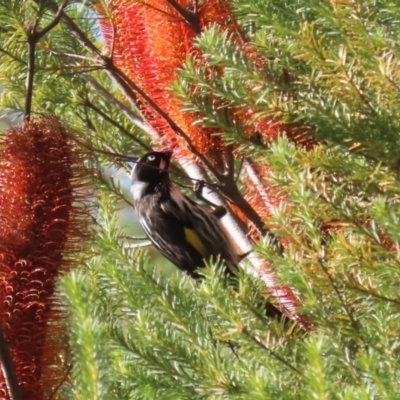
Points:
x=182 y=230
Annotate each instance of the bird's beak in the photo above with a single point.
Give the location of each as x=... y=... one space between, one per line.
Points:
x=165 y=162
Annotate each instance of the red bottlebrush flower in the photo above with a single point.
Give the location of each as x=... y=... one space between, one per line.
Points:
x=150 y=41
x=41 y=227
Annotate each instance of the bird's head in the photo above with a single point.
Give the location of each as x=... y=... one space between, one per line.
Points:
x=150 y=171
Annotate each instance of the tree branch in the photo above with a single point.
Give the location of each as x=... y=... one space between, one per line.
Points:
x=32 y=37
x=29 y=78
x=191 y=18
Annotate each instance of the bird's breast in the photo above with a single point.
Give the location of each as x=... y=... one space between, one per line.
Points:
x=138 y=190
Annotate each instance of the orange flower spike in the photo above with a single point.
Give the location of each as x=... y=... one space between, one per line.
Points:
x=40 y=230
x=151 y=41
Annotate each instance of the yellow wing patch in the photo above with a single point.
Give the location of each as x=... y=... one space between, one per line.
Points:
x=193 y=238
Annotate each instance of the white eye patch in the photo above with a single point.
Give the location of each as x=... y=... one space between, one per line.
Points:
x=151 y=158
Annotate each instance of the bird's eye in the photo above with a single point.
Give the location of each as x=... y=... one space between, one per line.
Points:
x=151 y=158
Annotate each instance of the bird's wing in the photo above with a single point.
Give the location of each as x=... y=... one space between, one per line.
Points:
x=203 y=230
x=176 y=239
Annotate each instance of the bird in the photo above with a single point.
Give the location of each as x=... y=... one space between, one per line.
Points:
x=182 y=230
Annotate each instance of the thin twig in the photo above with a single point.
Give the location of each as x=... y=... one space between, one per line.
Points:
x=230 y=163
x=106 y=152
x=12 y=56
x=134 y=118
x=373 y=294
x=77 y=69
x=29 y=78
x=57 y=388
x=239 y=169
x=134 y=237
x=130 y=246
x=77 y=32
x=172 y=17
x=32 y=37
x=354 y=323
x=135 y=160
x=96 y=109
x=256 y=340
x=71 y=55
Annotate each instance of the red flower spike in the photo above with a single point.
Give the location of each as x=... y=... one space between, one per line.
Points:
x=150 y=41
x=41 y=176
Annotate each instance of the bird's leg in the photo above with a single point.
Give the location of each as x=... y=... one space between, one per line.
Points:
x=218 y=211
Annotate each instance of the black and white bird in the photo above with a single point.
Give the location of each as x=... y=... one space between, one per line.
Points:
x=182 y=230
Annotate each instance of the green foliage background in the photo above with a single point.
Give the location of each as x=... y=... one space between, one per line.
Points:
x=136 y=333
